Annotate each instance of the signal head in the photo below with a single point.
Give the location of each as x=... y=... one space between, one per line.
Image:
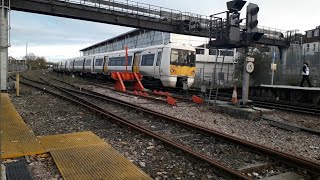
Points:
x=254 y=24
x=254 y=11
x=235 y=5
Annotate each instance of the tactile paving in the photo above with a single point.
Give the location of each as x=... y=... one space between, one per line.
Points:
x=99 y=161
x=17 y=139
x=63 y=141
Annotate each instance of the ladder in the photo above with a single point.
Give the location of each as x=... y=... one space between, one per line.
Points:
x=214 y=76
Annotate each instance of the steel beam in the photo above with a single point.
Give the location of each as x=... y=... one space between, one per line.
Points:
x=77 y=11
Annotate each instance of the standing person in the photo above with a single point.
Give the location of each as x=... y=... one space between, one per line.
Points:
x=305 y=73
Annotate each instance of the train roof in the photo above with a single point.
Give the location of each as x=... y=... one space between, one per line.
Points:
x=169 y=45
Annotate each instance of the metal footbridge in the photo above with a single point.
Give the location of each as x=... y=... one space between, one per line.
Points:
x=138 y=15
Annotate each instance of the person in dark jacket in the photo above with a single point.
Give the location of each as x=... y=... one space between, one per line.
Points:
x=305 y=74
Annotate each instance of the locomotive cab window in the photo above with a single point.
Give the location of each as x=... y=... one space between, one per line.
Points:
x=147 y=60
x=182 y=58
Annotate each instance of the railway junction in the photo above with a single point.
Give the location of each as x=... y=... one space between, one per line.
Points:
x=98 y=116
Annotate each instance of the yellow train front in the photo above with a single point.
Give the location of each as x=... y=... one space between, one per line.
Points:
x=174 y=65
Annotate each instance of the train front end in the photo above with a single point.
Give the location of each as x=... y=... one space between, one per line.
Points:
x=181 y=63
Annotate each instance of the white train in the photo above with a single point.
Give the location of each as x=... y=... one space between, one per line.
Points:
x=168 y=64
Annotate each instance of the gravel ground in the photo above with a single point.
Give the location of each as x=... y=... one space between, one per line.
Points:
x=40 y=112
x=43 y=167
x=300 y=143
x=47 y=115
x=303 y=120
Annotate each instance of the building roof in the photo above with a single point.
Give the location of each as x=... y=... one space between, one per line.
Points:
x=116 y=38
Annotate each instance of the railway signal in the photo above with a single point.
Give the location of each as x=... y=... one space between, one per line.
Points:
x=234 y=19
x=235 y=5
x=252 y=22
x=234 y=31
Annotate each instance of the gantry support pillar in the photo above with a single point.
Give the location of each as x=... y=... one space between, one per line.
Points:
x=283 y=60
x=4 y=43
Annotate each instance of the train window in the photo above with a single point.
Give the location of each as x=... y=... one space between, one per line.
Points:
x=316 y=33
x=159 y=58
x=212 y=52
x=123 y=61
x=119 y=61
x=309 y=34
x=147 y=60
x=99 y=62
x=88 y=62
x=199 y=51
x=226 y=53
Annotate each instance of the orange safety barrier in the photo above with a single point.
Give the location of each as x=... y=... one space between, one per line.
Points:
x=197 y=99
x=140 y=93
x=120 y=77
x=171 y=101
x=167 y=93
x=144 y=94
x=161 y=93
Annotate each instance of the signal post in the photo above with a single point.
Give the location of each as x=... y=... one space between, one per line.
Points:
x=236 y=36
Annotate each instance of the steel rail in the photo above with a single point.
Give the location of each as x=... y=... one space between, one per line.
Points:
x=108 y=87
x=272 y=105
x=80 y=101
x=309 y=165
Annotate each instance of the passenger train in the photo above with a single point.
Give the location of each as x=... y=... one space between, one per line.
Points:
x=169 y=65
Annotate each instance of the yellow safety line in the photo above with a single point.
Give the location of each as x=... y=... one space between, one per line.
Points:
x=63 y=141
x=16 y=137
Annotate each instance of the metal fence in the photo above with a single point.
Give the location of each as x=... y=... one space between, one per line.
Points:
x=289 y=72
x=224 y=75
x=16 y=67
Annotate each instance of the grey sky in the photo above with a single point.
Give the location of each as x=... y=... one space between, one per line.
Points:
x=57 y=38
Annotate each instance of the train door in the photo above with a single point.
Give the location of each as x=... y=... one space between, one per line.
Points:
x=73 y=61
x=83 y=63
x=105 y=65
x=65 y=66
x=157 y=67
x=136 y=62
x=93 y=65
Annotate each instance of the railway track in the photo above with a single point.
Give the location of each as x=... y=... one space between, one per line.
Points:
x=192 y=139
x=284 y=106
x=272 y=122
x=181 y=95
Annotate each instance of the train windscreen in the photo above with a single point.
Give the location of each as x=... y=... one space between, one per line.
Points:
x=182 y=57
